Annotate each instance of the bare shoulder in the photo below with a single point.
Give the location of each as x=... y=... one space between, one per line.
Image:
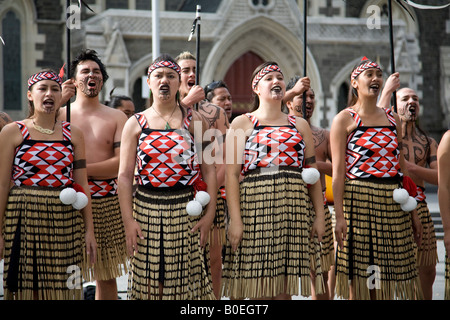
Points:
x=445 y=140
x=443 y=153
x=320 y=134
x=199 y=119
x=207 y=107
x=210 y=111
x=11 y=134
x=241 y=122
x=303 y=126
x=343 y=120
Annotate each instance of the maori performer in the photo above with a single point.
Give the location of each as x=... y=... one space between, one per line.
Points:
x=420 y=153
x=102 y=127
x=294 y=102
x=217 y=94
x=167 y=230
x=46 y=218
x=276 y=212
x=192 y=95
x=376 y=220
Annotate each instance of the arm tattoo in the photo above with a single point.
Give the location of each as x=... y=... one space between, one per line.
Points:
x=310 y=160
x=116 y=144
x=211 y=115
x=318 y=136
x=79 y=164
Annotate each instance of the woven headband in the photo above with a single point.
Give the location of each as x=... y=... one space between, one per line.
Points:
x=263 y=72
x=45 y=75
x=360 y=69
x=164 y=64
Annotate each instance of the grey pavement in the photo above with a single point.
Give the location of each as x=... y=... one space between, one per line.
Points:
x=438 y=287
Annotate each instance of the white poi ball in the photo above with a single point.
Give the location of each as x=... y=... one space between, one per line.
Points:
x=310 y=175
x=81 y=202
x=68 y=195
x=400 y=195
x=194 y=208
x=410 y=205
x=203 y=197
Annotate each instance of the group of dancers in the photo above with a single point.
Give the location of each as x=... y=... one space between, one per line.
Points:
x=112 y=194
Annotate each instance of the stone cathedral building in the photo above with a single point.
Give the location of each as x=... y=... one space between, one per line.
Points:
x=236 y=36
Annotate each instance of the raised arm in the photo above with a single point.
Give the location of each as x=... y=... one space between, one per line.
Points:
x=301 y=86
x=392 y=84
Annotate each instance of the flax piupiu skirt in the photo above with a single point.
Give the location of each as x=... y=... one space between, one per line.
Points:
x=276 y=251
x=170 y=254
x=427 y=251
x=44 y=246
x=328 y=252
x=220 y=219
x=110 y=236
x=379 y=251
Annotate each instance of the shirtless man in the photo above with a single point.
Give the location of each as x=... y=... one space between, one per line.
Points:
x=420 y=152
x=192 y=94
x=102 y=127
x=294 y=102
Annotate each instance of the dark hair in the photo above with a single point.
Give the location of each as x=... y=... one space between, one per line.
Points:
x=209 y=89
x=292 y=82
x=30 y=103
x=85 y=55
x=255 y=72
x=116 y=101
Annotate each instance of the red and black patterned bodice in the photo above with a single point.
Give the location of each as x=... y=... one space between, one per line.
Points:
x=270 y=146
x=43 y=163
x=166 y=158
x=372 y=152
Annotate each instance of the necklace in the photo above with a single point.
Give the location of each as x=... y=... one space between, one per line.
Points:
x=43 y=130
x=167 y=126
